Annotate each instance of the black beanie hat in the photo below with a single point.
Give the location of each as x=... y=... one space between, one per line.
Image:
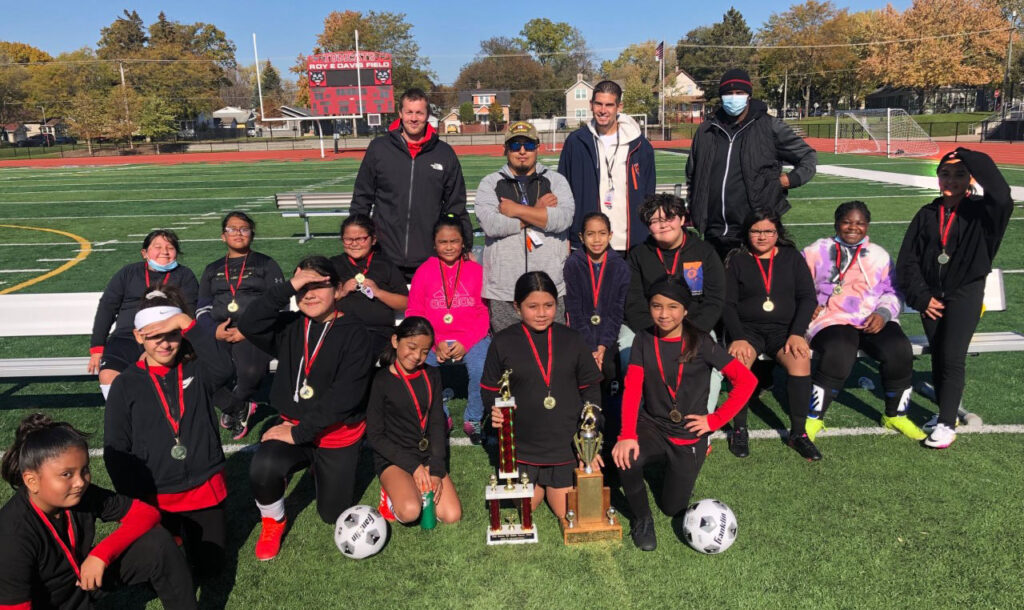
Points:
x=952 y=156
x=735 y=79
x=672 y=288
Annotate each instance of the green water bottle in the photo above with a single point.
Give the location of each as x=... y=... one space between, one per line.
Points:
x=428 y=517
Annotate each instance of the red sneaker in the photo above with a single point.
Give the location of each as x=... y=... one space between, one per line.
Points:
x=269 y=543
x=384 y=508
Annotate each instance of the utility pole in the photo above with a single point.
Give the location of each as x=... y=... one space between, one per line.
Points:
x=1006 y=97
x=124 y=95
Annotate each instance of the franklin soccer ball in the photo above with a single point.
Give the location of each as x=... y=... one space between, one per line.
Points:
x=360 y=532
x=709 y=526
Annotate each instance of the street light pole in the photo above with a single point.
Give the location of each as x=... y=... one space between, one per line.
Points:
x=1007 y=98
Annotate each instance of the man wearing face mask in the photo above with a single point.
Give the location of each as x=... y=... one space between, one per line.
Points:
x=735 y=164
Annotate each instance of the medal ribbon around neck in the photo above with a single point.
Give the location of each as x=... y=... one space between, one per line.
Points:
x=839 y=257
x=68 y=553
x=307 y=360
x=420 y=415
x=366 y=269
x=145 y=266
x=546 y=375
x=448 y=299
x=766 y=277
x=944 y=227
x=241 y=272
x=595 y=285
x=675 y=258
x=175 y=425
x=661 y=370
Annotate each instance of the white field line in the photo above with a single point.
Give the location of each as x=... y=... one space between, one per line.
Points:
x=168 y=215
x=928 y=182
x=23 y=270
x=754 y=434
x=53 y=260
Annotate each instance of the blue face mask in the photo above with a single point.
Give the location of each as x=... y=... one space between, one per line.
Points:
x=164 y=268
x=839 y=240
x=734 y=105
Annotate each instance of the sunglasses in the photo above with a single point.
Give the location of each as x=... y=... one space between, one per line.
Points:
x=516 y=146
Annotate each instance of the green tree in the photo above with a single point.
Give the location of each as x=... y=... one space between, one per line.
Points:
x=559 y=46
x=14 y=75
x=156 y=120
x=125 y=37
x=496 y=115
x=466 y=114
x=504 y=64
x=90 y=117
x=706 y=64
x=637 y=70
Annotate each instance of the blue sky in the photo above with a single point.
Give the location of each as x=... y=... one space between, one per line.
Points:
x=448 y=33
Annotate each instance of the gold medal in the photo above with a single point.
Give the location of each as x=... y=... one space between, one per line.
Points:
x=233 y=306
x=768 y=305
x=448 y=318
x=549 y=402
x=178 y=451
x=595 y=319
x=306 y=391
x=424 y=443
x=675 y=416
x=943 y=258
x=360 y=278
x=837 y=289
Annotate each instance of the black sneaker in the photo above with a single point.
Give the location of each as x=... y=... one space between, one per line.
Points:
x=803 y=445
x=739 y=442
x=643 y=534
x=240 y=425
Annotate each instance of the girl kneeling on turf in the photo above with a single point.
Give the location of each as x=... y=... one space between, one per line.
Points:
x=946 y=255
x=47 y=559
x=407 y=428
x=553 y=374
x=160 y=441
x=670 y=369
x=858 y=309
x=323 y=372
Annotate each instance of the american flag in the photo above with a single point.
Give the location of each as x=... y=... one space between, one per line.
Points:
x=659 y=53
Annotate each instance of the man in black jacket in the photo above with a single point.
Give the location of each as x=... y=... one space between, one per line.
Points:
x=408 y=179
x=735 y=164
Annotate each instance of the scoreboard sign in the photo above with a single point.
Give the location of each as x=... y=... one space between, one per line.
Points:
x=334 y=85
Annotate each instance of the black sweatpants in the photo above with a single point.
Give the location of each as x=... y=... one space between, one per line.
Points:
x=949 y=338
x=154 y=559
x=250 y=368
x=334 y=472
x=204 y=534
x=835 y=353
x=682 y=465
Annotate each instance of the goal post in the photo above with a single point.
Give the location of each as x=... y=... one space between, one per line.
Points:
x=881 y=131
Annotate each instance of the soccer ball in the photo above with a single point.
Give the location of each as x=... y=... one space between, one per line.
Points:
x=709 y=526
x=360 y=532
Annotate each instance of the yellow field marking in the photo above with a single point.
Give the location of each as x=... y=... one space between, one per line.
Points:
x=82 y=254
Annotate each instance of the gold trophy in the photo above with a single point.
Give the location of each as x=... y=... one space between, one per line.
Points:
x=516 y=529
x=589 y=515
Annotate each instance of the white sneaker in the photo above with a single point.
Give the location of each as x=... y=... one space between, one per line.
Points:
x=942 y=436
x=934 y=421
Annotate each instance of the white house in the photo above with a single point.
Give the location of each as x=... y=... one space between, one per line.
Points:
x=684 y=99
x=577 y=101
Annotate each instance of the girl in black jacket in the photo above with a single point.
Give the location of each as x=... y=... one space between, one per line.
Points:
x=407 y=427
x=946 y=255
x=160 y=437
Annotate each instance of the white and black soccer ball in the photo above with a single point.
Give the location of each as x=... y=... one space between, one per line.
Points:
x=360 y=532
x=709 y=526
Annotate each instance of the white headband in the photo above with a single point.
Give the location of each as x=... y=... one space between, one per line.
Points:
x=145 y=317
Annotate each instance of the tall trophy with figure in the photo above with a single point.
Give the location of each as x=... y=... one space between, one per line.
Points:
x=589 y=515
x=516 y=528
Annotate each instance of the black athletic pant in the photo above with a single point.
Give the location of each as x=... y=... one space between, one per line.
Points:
x=250 y=369
x=611 y=406
x=798 y=393
x=156 y=560
x=204 y=534
x=334 y=472
x=682 y=465
x=949 y=338
x=835 y=352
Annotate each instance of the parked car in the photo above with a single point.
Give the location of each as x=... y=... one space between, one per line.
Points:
x=65 y=140
x=39 y=139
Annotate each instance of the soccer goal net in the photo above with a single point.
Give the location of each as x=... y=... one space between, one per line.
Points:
x=884 y=131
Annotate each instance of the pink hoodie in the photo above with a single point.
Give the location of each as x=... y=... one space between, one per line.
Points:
x=427 y=299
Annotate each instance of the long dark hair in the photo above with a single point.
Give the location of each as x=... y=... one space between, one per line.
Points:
x=167 y=234
x=359 y=220
x=37 y=440
x=450 y=221
x=413 y=326
x=677 y=290
x=241 y=216
x=534 y=281
x=169 y=296
x=752 y=219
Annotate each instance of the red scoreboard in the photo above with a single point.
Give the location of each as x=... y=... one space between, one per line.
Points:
x=335 y=79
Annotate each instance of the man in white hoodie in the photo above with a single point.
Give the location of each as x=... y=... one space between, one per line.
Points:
x=610 y=167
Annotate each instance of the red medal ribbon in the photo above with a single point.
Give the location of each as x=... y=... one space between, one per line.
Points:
x=366 y=269
x=546 y=375
x=241 y=272
x=853 y=259
x=596 y=284
x=444 y=283
x=675 y=259
x=145 y=264
x=945 y=227
x=69 y=553
x=307 y=360
x=416 y=401
x=175 y=425
x=679 y=378
x=767 y=277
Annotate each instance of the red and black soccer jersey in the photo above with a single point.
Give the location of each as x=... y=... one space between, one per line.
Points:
x=394 y=427
x=647 y=380
x=249 y=275
x=792 y=294
x=543 y=436
x=378 y=317
x=35 y=571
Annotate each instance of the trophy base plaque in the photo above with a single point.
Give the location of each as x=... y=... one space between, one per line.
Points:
x=523 y=532
x=589 y=502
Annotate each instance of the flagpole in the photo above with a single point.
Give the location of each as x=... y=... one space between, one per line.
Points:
x=662 y=96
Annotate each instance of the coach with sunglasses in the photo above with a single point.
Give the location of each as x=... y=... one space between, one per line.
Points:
x=524 y=210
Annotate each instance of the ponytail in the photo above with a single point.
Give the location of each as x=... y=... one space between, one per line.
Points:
x=37 y=440
x=410 y=327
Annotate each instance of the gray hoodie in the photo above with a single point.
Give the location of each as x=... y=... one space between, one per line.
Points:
x=505 y=254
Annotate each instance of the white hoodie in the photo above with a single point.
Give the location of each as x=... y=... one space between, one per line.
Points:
x=628 y=130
